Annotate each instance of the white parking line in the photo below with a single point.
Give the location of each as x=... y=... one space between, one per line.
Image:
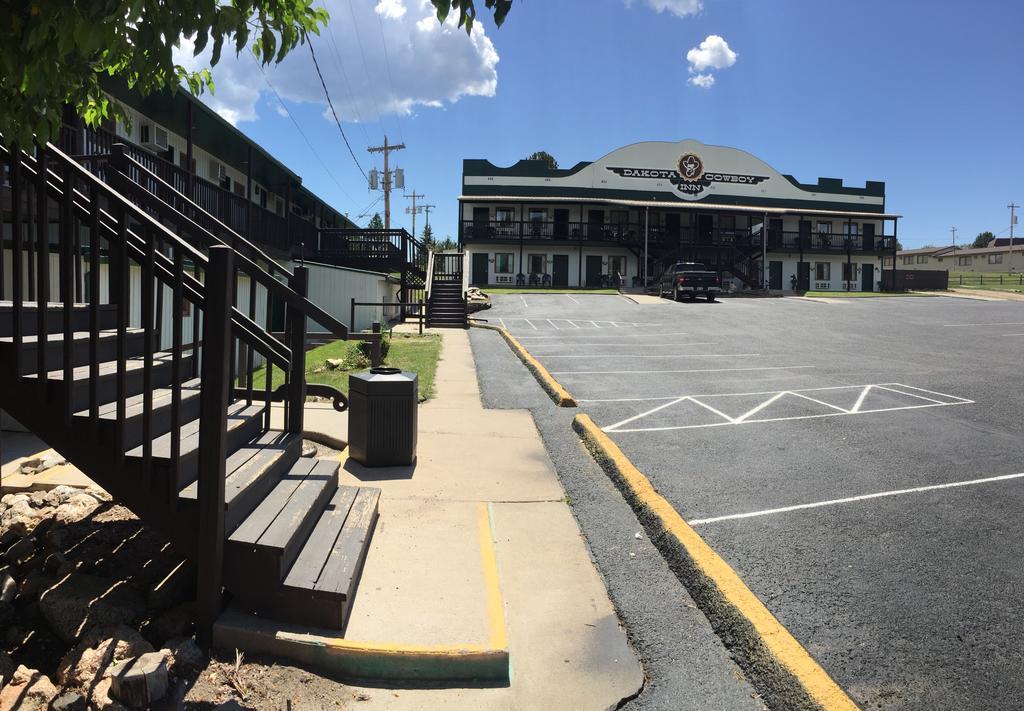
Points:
x=852 y=499
x=553 y=324
x=572 y=344
x=745 y=418
x=667 y=355
x=968 y=325
x=531 y=324
x=525 y=305
x=652 y=372
x=1012 y=335
x=618 y=337
x=570 y=298
x=679 y=397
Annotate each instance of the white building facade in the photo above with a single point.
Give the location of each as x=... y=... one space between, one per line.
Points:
x=625 y=217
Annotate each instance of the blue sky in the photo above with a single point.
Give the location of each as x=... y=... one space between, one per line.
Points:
x=923 y=96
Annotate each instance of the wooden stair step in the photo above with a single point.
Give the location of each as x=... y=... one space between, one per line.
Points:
x=242 y=422
x=252 y=471
x=321 y=585
x=333 y=558
x=271 y=537
x=55 y=343
x=135 y=404
x=109 y=367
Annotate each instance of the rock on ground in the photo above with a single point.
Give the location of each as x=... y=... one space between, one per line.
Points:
x=140 y=681
x=28 y=689
x=100 y=647
x=81 y=600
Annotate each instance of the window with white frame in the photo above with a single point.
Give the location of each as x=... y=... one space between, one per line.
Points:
x=617 y=265
x=849 y=271
x=922 y=259
x=538 y=214
x=822 y=271
x=886 y=261
x=536 y=263
x=995 y=259
x=824 y=228
x=964 y=261
x=504 y=214
x=908 y=260
x=503 y=263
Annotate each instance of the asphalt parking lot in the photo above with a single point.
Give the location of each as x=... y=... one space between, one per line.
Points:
x=857 y=462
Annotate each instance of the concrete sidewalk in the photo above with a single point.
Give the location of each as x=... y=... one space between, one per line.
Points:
x=483 y=488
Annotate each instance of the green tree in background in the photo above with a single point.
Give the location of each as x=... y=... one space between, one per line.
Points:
x=54 y=52
x=982 y=240
x=428 y=237
x=375 y=222
x=544 y=156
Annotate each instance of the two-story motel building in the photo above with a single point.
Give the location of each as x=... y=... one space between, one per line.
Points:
x=686 y=201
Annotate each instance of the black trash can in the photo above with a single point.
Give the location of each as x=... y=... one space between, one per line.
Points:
x=382 y=405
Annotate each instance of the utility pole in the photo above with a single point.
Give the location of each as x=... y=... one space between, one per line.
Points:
x=427 y=209
x=953 y=230
x=414 y=209
x=387 y=177
x=1013 y=220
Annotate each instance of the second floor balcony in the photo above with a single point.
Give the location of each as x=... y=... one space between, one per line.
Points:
x=633 y=234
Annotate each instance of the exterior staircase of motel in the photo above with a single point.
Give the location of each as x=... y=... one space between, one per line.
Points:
x=446 y=291
x=129 y=338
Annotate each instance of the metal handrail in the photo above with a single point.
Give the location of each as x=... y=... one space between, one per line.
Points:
x=247 y=265
x=430 y=276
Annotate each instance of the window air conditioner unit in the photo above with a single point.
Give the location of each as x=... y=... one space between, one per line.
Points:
x=153 y=137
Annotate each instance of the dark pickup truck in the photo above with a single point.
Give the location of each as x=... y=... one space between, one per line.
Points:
x=689 y=279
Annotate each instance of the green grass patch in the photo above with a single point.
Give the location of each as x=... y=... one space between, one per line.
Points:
x=418 y=354
x=859 y=294
x=542 y=290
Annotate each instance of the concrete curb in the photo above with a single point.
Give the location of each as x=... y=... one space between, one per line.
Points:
x=782 y=670
x=555 y=390
x=363 y=660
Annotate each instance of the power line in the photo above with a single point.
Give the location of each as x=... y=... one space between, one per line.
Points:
x=391 y=83
x=335 y=113
x=348 y=84
x=312 y=150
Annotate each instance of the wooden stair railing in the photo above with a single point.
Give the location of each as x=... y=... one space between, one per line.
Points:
x=154 y=416
x=447 y=305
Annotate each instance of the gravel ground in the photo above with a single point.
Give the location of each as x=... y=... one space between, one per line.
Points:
x=686 y=665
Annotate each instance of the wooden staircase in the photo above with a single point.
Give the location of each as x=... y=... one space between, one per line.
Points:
x=446 y=291
x=138 y=367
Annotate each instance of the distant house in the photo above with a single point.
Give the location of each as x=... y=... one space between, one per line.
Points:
x=1000 y=258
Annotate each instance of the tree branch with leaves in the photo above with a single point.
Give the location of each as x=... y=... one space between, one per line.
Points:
x=56 y=52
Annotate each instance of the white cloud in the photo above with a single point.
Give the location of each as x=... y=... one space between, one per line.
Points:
x=391 y=9
x=704 y=81
x=430 y=64
x=679 y=8
x=712 y=53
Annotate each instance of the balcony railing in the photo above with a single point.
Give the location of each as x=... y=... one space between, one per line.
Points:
x=261 y=226
x=633 y=234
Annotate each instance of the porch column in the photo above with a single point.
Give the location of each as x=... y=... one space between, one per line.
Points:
x=248 y=191
x=521 y=220
x=188 y=151
x=849 y=251
x=895 y=242
x=583 y=229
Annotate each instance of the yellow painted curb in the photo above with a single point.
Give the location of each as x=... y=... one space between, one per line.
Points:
x=383 y=661
x=783 y=670
x=370 y=661
x=552 y=387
